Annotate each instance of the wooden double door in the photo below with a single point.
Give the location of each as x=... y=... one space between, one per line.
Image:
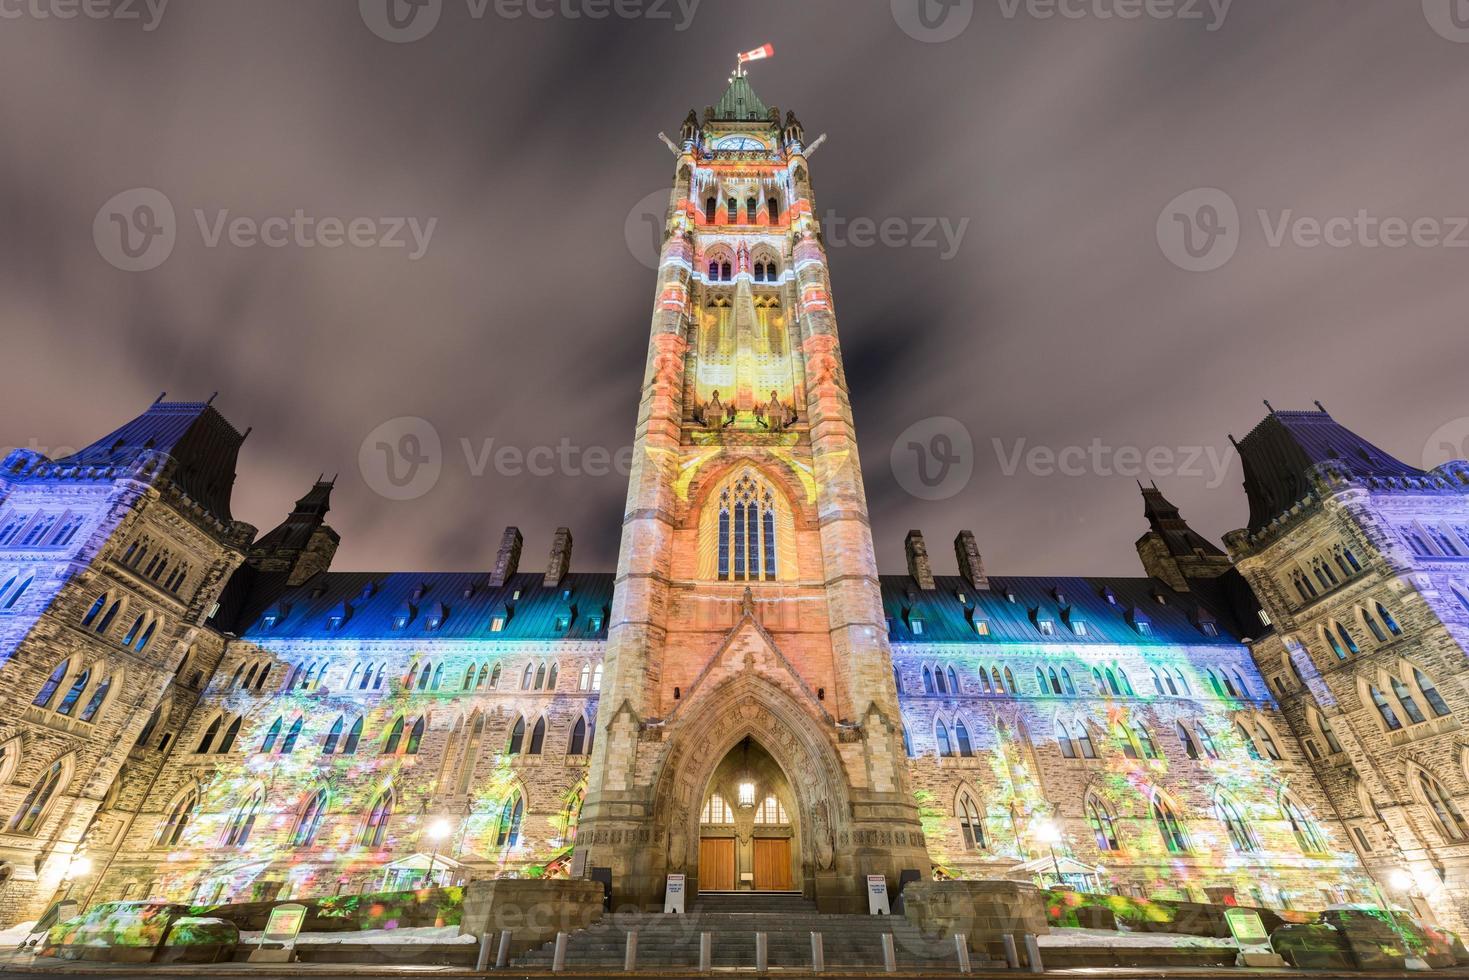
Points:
x=771 y=864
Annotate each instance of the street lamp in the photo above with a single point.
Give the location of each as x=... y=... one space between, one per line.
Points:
x=436 y=832
x=80 y=867
x=1049 y=834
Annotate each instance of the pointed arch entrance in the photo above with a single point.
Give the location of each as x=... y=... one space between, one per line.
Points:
x=748 y=840
x=750 y=730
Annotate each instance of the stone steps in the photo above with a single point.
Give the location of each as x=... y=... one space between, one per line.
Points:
x=672 y=941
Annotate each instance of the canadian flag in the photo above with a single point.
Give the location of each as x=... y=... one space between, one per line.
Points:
x=764 y=51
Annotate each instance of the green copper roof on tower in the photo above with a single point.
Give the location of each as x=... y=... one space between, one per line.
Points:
x=740 y=103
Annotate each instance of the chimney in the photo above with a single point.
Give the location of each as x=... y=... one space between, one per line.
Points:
x=918 y=565
x=508 y=560
x=560 y=562
x=971 y=565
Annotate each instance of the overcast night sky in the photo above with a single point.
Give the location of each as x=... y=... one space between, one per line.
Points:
x=1054 y=144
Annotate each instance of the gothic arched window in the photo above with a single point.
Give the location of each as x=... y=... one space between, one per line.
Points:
x=1169 y=826
x=772 y=210
x=537 y=738
x=1240 y=835
x=1103 y=824
x=68 y=703
x=578 y=738
x=48 y=689
x=517 y=737
x=242 y=821
x=747 y=540
x=376 y=828
x=1446 y=812
x=27 y=818
x=178 y=820
x=711 y=212
x=510 y=817
x=309 y=822
x=970 y=823
x=1308 y=834
x=961 y=738
x=941 y=738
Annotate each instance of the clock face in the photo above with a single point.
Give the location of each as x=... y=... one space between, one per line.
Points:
x=739 y=143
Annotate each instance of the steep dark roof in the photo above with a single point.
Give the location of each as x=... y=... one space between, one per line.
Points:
x=1165 y=519
x=947 y=620
x=740 y=103
x=202 y=443
x=295 y=531
x=373 y=600
x=1278 y=452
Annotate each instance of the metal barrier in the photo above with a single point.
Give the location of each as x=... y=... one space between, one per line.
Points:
x=558 y=958
x=818 y=953
x=1033 y=953
x=762 y=952
x=502 y=956
x=630 y=958
x=706 y=951
x=961 y=946
x=889 y=955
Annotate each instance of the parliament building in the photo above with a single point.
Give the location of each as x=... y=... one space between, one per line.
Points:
x=193 y=711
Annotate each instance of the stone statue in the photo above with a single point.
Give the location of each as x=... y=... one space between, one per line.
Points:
x=821 y=836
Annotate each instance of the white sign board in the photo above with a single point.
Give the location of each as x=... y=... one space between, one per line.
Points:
x=877 y=895
x=673 y=897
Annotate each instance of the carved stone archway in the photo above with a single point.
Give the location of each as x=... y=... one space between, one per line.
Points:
x=751 y=706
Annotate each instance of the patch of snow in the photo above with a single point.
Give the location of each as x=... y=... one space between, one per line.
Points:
x=414 y=936
x=1108 y=938
x=16 y=934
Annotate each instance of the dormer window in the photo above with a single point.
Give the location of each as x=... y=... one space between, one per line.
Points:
x=963 y=599
x=499 y=618
x=1264 y=617
x=1210 y=629
x=1160 y=598
x=403 y=616
x=273 y=616
x=916 y=625
x=1109 y=596
x=1043 y=621
x=563 y=623
x=515 y=596
x=1078 y=626
x=1009 y=595
x=566 y=594
x=418 y=591
x=368 y=590
x=982 y=627
x=338 y=617
x=1140 y=621
x=436 y=616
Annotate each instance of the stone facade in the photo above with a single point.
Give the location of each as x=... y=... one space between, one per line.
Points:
x=780 y=716
x=1362 y=564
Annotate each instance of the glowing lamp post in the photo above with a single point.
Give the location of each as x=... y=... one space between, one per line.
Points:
x=1049 y=834
x=80 y=867
x=436 y=832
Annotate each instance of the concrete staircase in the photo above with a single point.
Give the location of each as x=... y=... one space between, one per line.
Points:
x=671 y=942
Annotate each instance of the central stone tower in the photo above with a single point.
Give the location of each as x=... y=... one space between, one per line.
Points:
x=749 y=735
